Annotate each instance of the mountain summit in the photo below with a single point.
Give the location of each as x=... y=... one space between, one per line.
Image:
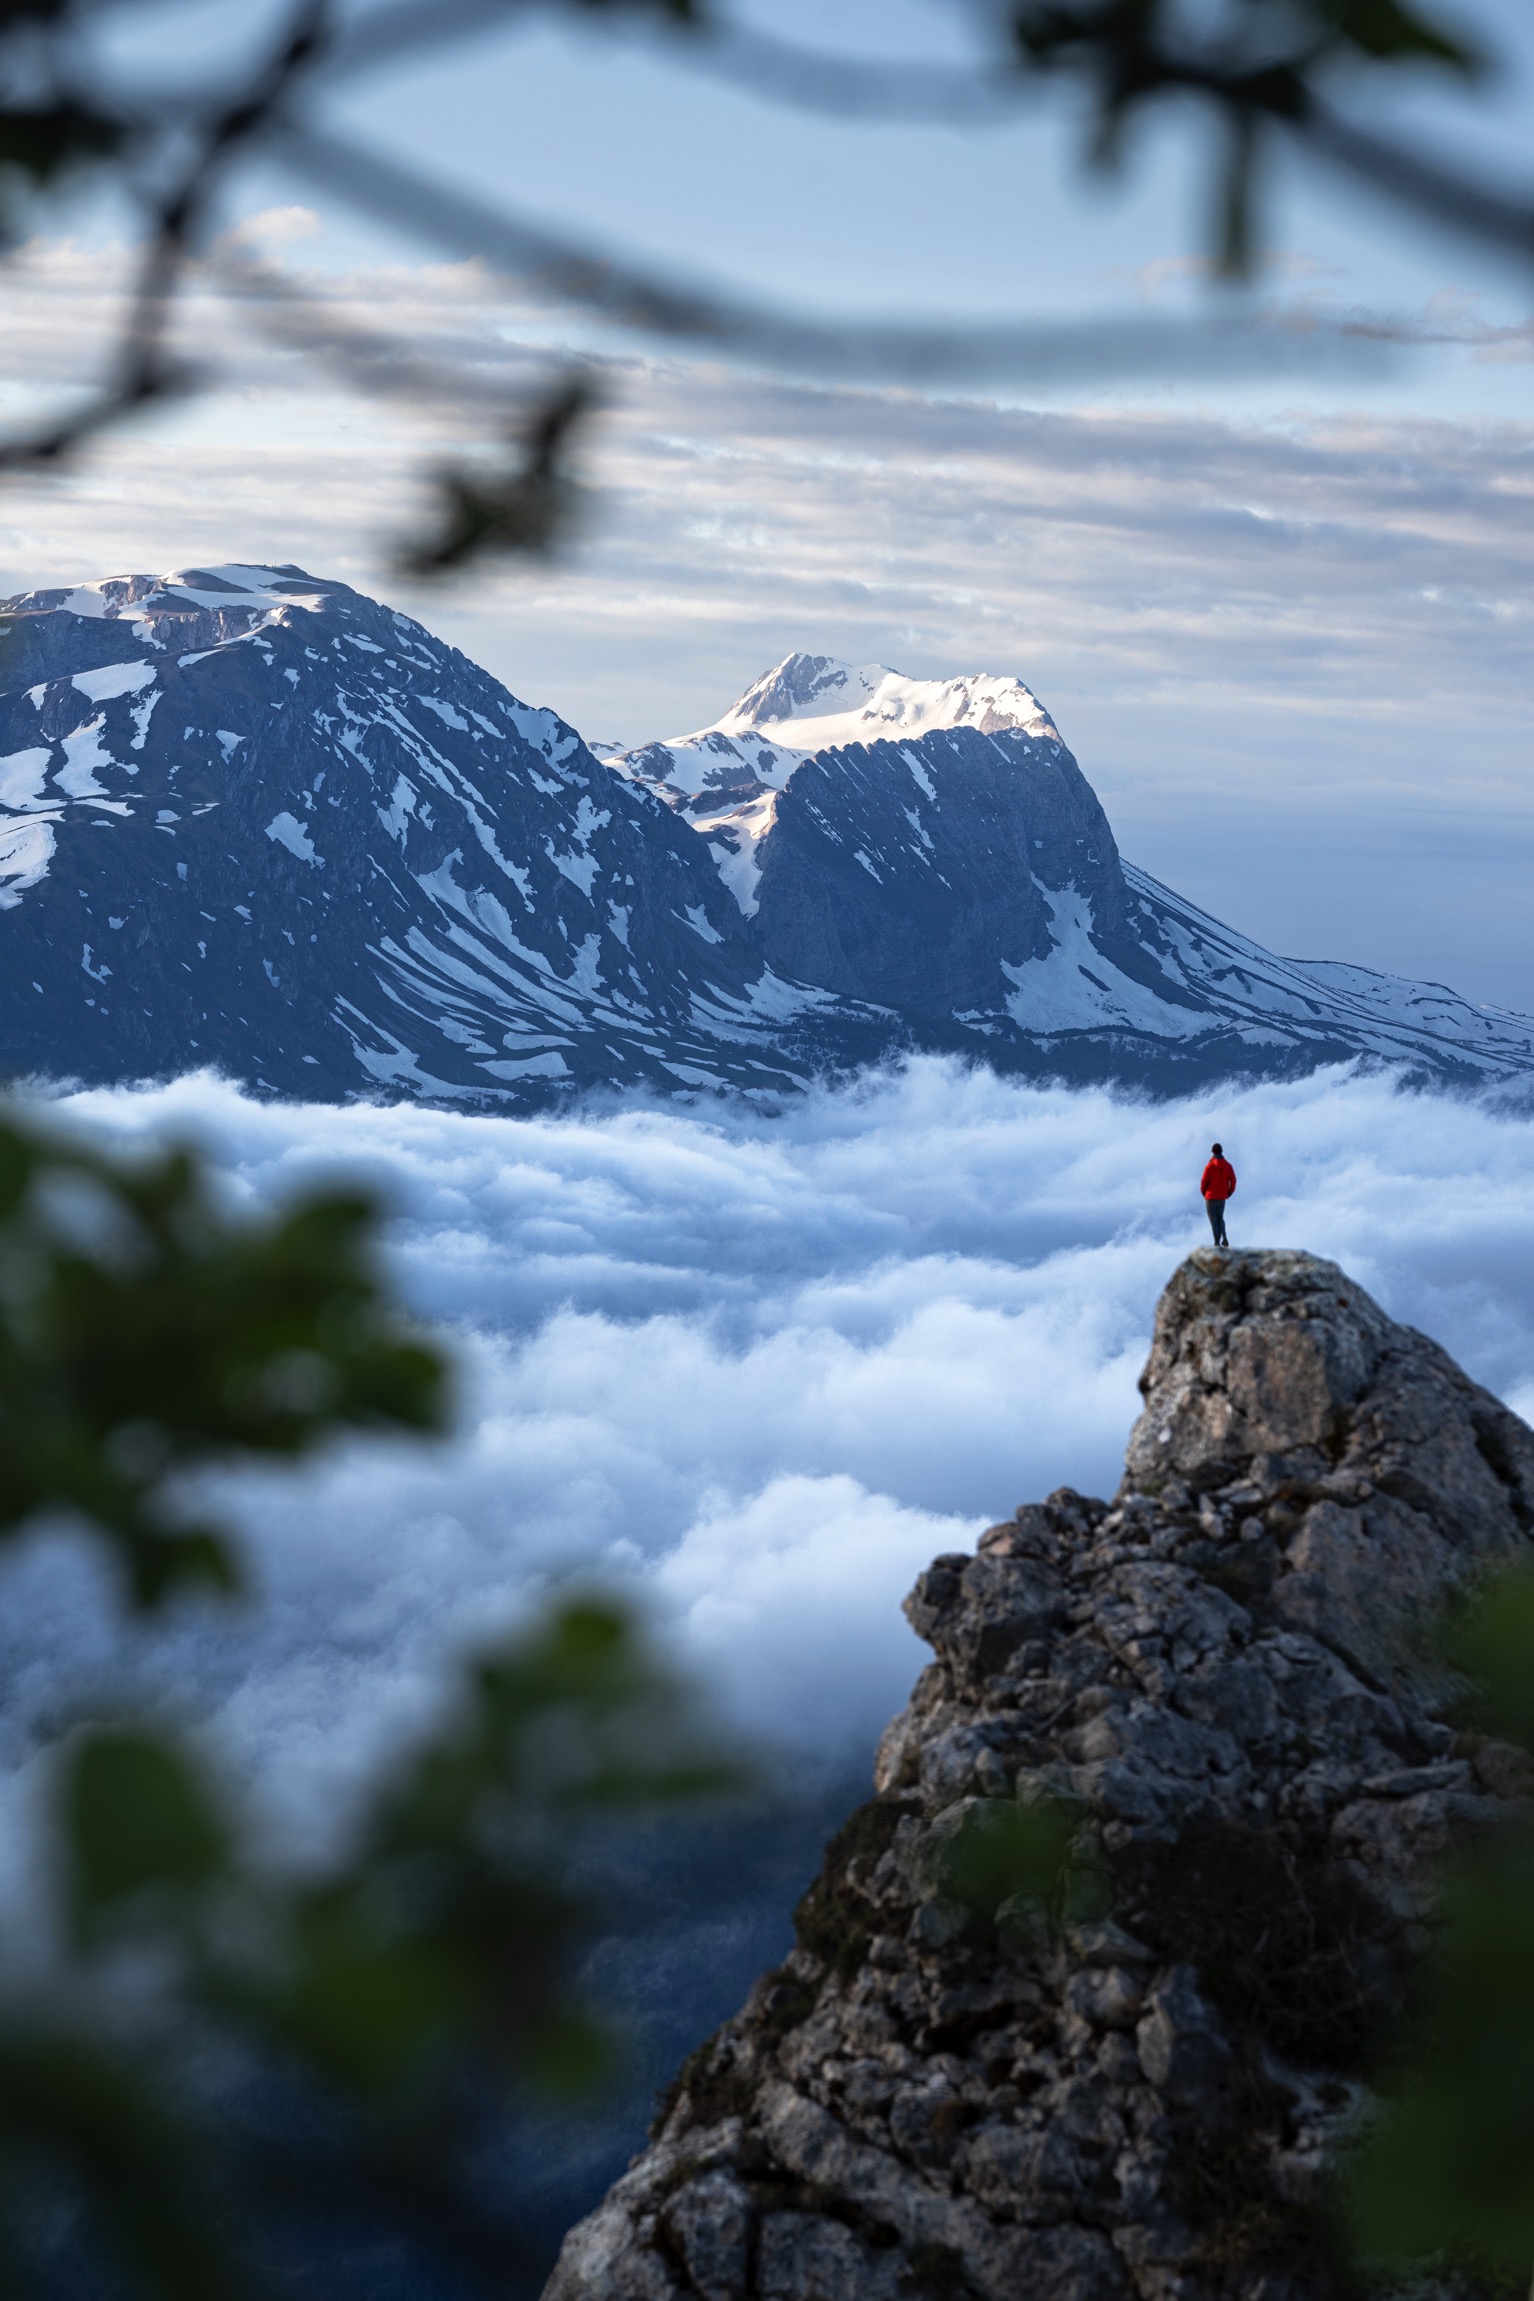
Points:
x=932 y=845
x=725 y=778
x=830 y=703
x=249 y=818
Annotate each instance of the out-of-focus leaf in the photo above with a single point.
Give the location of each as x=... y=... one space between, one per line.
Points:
x=365 y=2003
x=143 y=1332
x=1389 y=32
x=993 y=1850
x=1490 y=1641
x=529 y=507
x=1449 y=2166
x=567 y=2056
x=691 y=13
x=44 y=142
x=138 y=1818
x=136 y=2169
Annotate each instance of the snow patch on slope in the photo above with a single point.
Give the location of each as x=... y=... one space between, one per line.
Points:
x=1075 y=988
x=290 y=833
x=26 y=850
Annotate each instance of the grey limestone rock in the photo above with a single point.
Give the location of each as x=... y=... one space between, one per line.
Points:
x=1131 y=2083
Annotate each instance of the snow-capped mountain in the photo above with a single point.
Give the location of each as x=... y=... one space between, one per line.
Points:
x=931 y=845
x=252 y=819
x=725 y=778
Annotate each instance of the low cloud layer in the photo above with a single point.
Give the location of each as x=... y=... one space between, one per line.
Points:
x=755 y=1371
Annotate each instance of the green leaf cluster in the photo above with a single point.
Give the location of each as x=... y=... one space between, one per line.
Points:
x=1446 y=2169
x=420 y=1979
x=426 y=1970
x=999 y=1851
x=145 y=1332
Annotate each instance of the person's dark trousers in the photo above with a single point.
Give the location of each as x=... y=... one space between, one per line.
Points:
x=1216 y=1208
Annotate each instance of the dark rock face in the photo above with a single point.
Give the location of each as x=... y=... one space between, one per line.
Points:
x=1219 y=1681
x=917 y=874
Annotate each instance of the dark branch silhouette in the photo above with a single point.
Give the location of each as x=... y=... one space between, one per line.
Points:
x=1261 y=69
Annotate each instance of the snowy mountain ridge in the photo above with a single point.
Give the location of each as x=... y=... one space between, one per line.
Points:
x=250 y=818
x=725 y=777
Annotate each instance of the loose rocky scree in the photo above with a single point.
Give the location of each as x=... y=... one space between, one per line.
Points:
x=1222 y=1682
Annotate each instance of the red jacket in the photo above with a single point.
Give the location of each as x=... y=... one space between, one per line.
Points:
x=1219 y=1179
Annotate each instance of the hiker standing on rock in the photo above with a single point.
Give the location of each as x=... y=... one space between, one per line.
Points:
x=1218 y=1185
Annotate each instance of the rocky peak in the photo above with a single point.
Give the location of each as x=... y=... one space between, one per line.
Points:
x=794 y=685
x=1214 y=1690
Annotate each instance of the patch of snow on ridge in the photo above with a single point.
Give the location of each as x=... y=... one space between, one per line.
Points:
x=290 y=833
x=262 y=593
x=238 y=586
x=26 y=850
x=741 y=831
x=21 y=778
x=84 y=752
x=783 y=719
x=110 y=680
x=828 y=704
x=1076 y=989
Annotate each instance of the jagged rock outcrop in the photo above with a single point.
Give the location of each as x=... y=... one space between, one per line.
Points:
x=1131 y=2083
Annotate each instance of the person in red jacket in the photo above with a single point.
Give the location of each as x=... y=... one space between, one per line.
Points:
x=1218 y=1185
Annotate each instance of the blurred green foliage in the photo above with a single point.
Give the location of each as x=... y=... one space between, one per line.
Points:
x=145 y=1333
x=200 y=2041
x=996 y=1854
x=1446 y=2169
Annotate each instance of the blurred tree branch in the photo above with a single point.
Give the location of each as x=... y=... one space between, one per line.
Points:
x=1261 y=67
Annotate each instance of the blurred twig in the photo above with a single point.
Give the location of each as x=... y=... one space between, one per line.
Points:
x=527 y=506
x=143 y=370
x=1263 y=67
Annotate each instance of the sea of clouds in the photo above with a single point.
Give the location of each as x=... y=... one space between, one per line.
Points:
x=755 y=1371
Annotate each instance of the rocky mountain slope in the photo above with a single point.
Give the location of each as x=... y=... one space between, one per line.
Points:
x=252 y=819
x=932 y=845
x=955 y=2089
x=255 y=820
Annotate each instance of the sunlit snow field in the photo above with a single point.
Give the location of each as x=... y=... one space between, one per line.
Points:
x=755 y=1370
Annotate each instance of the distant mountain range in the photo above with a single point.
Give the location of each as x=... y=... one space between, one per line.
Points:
x=250 y=818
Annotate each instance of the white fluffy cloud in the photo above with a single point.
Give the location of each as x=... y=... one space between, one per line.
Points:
x=758 y=1371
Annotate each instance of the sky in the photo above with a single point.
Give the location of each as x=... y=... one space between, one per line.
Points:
x=1275 y=588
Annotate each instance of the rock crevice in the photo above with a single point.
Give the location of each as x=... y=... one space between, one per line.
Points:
x=1214 y=1700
